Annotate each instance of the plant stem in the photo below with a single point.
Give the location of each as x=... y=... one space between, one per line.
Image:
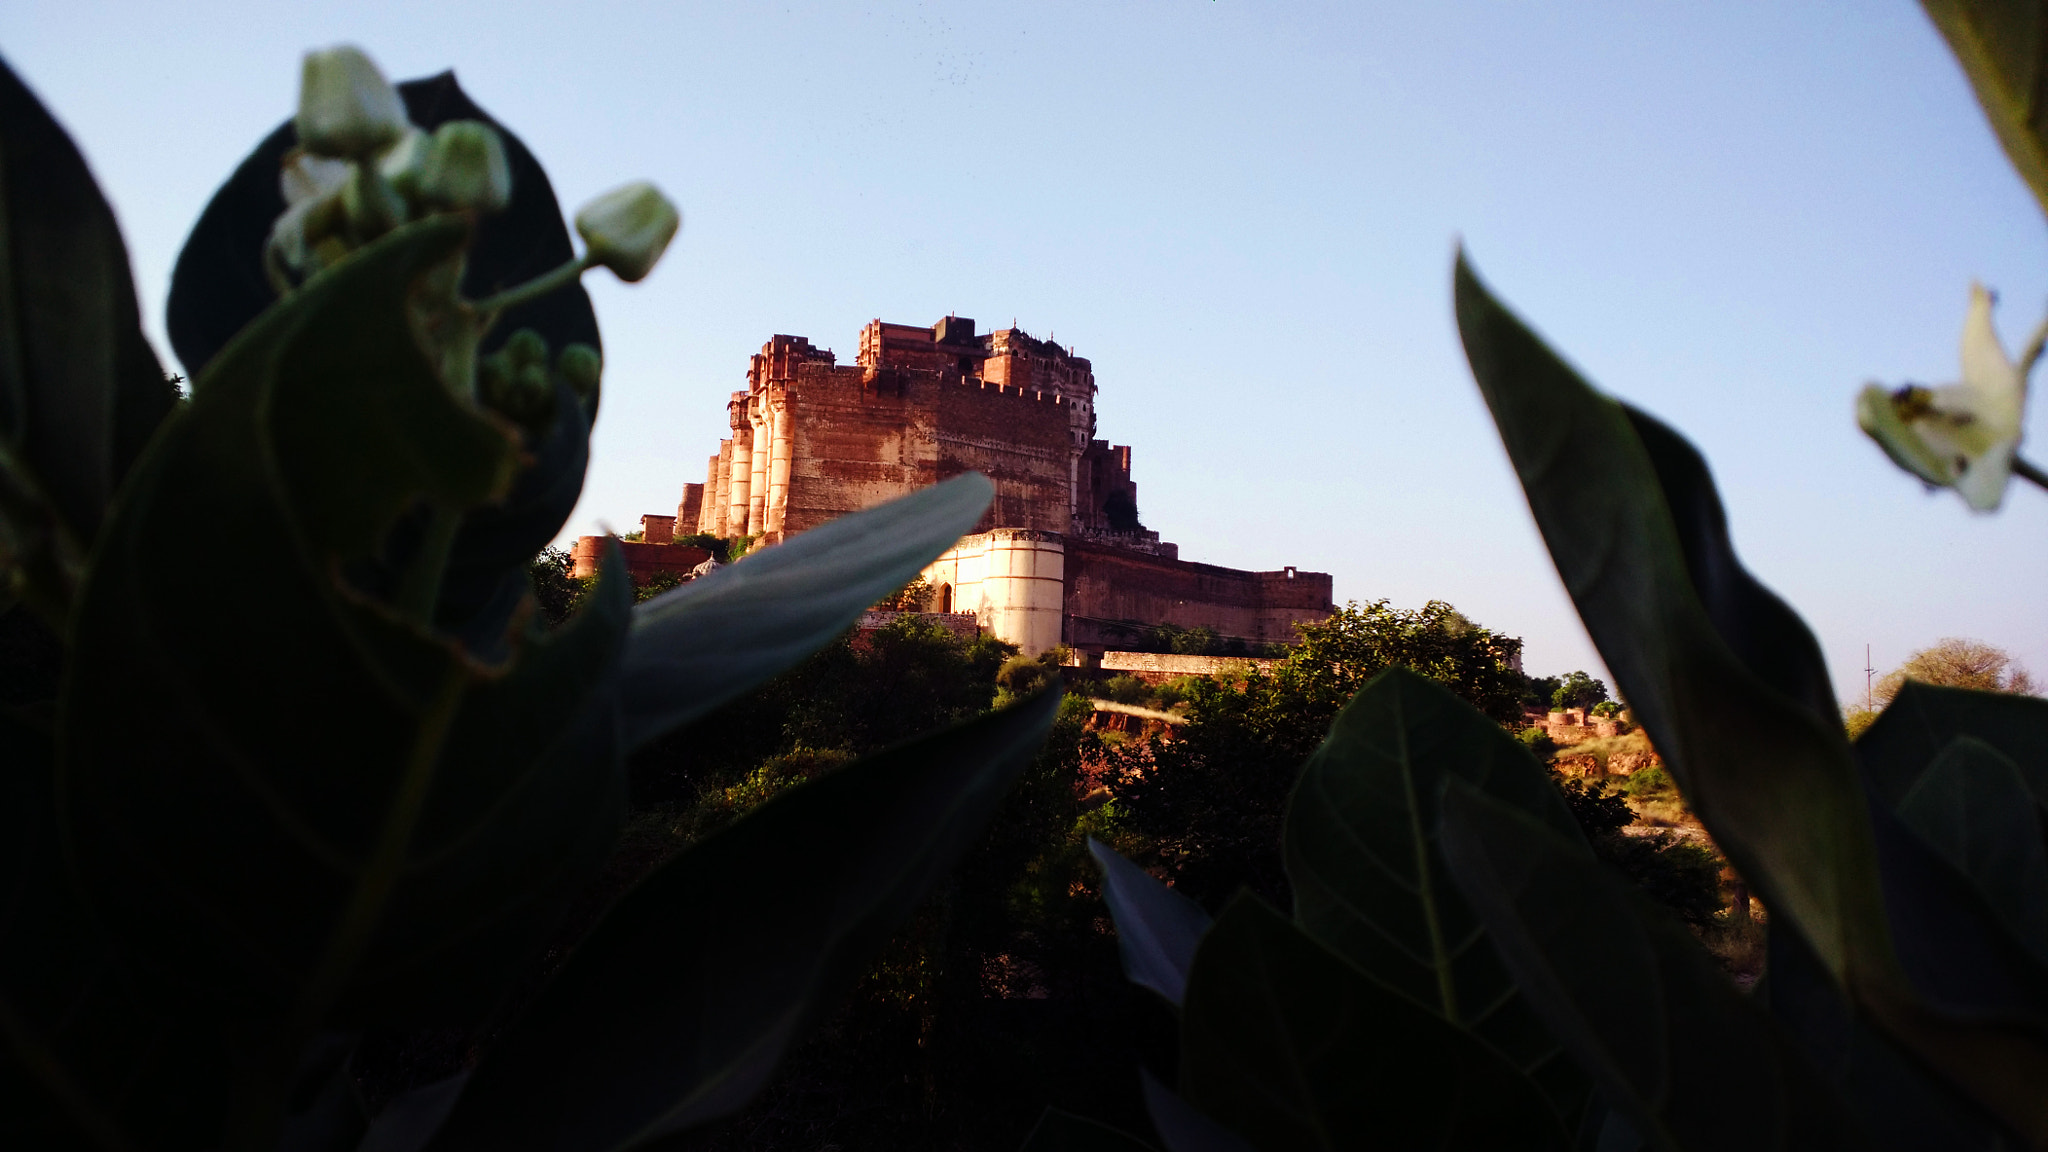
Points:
x=2032 y=352
x=533 y=289
x=2027 y=471
x=420 y=590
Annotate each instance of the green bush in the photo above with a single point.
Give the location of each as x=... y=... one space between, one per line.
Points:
x=718 y=546
x=1538 y=742
x=1124 y=689
x=1652 y=783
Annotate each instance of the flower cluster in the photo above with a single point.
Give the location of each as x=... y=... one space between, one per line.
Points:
x=362 y=168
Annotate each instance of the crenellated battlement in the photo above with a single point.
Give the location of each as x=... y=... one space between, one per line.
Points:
x=811 y=438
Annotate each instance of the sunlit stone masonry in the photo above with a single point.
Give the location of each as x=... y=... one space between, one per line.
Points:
x=1060 y=558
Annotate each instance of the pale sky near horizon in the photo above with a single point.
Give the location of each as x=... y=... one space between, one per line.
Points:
x=1732 y=215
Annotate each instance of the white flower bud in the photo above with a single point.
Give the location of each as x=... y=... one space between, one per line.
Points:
x=400 y=164
x=464 y=167
x=346 y=107
x=628 y=228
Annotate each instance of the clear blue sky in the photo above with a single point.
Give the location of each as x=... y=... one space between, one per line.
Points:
x=1731 y=214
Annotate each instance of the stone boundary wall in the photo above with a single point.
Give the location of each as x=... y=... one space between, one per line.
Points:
x=1159 y=667
x=1107 y=585
x=961 y=624
x=642 y=560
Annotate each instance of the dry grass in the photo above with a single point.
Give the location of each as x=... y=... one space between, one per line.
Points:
x=1607 y=755
x=1738 y=943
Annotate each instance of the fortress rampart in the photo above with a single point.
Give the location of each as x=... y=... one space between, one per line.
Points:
x=1060 y=557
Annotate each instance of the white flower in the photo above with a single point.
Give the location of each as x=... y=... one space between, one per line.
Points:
x=308 y=177
x=312 y=187
x=346 y=107
x=1963 y=435
x=464 y=167
x=628 y=228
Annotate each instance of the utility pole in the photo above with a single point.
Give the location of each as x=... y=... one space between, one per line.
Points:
x=1869 y=698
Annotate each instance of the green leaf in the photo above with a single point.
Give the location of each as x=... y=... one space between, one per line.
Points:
x=1923 y=719
x=713 y=638
x=1899 y=1103
x=86 y=1060
x=287 y=801
x=1727 y=680
x=1670 y=1043
x=678 y=1005
x=80 y=390
x=1157 y=929
x=1973 y=807
x=1180 y=1125
x=1291 y=1047
x=2003 y=48
x=1368 y=872
x=1967 y=773
x=409 y=1120
x=1059 y=1131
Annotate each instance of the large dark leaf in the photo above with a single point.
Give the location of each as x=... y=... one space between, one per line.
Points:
x=677 y=1007
x=1669 y=1042
x=1966 y=774
x=1961 y=959
x=1291 y=1047
x=1059 y=1131
x=80 y=390
x=715 y=637
x=1900 y=1105
x=1924 y=719
x=283 y=798
x=1157 y=929
x=86 y=1060
x=1368 y=873
x=2003 y=47
x=1183 y=1128
x=1973 y=807
x=1726 y=679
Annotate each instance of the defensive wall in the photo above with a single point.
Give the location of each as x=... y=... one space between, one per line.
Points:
x=1160 y=667
x=1039 y=589
x=1059 y=558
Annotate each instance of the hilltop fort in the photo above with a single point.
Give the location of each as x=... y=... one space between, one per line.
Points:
x=1060 y=557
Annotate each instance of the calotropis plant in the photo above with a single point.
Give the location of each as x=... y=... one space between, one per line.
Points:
x=286 y=758
x=1458 y=972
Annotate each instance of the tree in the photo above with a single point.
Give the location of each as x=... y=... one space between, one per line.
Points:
x=912 y=597
x=1210 y=799
x=1958 y=663
x=716 y=545
x=1336 y=657
x=555 y=591
x=1577 y=690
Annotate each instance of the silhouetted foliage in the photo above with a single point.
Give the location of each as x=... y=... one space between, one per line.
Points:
x=1210 y=800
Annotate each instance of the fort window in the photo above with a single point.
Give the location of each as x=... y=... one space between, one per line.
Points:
x=945 y=597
